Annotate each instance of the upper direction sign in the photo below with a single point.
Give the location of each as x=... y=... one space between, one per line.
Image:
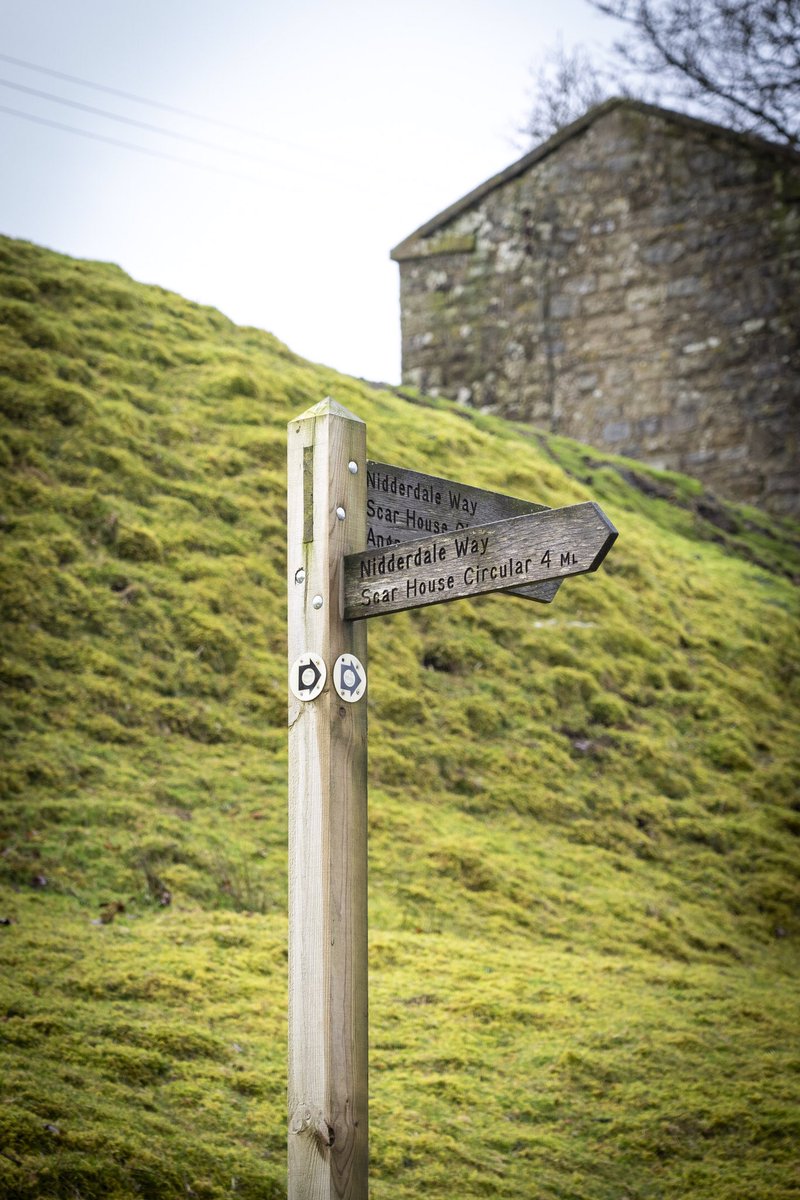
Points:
x=484 y=558
x=403 y=506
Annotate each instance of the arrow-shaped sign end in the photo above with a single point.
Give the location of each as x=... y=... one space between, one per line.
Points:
x=611 y=536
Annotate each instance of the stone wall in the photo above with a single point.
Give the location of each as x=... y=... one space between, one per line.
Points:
x=635 y=285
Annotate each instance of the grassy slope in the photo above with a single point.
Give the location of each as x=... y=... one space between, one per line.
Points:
x=583 y=818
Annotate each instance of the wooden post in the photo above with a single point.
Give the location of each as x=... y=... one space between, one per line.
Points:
x=326 y=519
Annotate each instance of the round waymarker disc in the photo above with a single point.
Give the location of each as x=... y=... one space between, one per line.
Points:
x=307 y=676
x=349 y=678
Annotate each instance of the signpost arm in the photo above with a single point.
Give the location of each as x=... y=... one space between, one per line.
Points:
x=327 y=1093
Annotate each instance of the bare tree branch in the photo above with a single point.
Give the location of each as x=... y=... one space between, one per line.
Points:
x=564 y=85
x=737 y=61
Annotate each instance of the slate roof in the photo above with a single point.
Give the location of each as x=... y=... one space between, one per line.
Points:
x=404 y=249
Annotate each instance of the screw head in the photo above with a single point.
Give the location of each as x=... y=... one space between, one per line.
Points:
x=341 y=513
x=317 y=602
x=352 y=468
x=300 y=575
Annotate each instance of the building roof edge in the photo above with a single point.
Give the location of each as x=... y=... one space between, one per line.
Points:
x=405 y=248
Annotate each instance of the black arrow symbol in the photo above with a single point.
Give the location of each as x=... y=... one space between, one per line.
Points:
x=302 y=669
x=349 y=669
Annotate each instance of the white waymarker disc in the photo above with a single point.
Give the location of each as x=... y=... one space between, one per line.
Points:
x=349 y=678
x=307 y=676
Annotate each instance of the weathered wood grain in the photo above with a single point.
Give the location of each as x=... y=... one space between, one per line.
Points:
x=403 y=506
x=327 y=1092
x=545 y=545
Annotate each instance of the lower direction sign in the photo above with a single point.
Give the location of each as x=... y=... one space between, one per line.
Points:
x=541 y=546
x=404 y=506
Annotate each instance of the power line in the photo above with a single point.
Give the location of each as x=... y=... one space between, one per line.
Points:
x=103 y=112
x=99 y=137
x=171 y=108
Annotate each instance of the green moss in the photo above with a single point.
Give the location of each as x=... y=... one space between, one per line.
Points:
x=609 y=710
x=729 y=751
x=137 y=544
x=210 y=639
x=584 y=896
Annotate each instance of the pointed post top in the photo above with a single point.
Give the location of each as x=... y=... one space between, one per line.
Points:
x=327 y=408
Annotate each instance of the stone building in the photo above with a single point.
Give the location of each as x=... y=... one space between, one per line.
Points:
x=634 y=283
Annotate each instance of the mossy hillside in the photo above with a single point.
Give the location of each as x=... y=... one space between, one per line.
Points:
x=583 y=817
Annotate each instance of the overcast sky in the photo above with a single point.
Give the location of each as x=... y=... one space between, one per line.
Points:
x=330 y=132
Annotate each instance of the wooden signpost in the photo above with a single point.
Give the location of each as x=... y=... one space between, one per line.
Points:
x=365 y=539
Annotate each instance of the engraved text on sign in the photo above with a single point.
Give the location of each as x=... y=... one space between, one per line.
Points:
x=485 y=558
